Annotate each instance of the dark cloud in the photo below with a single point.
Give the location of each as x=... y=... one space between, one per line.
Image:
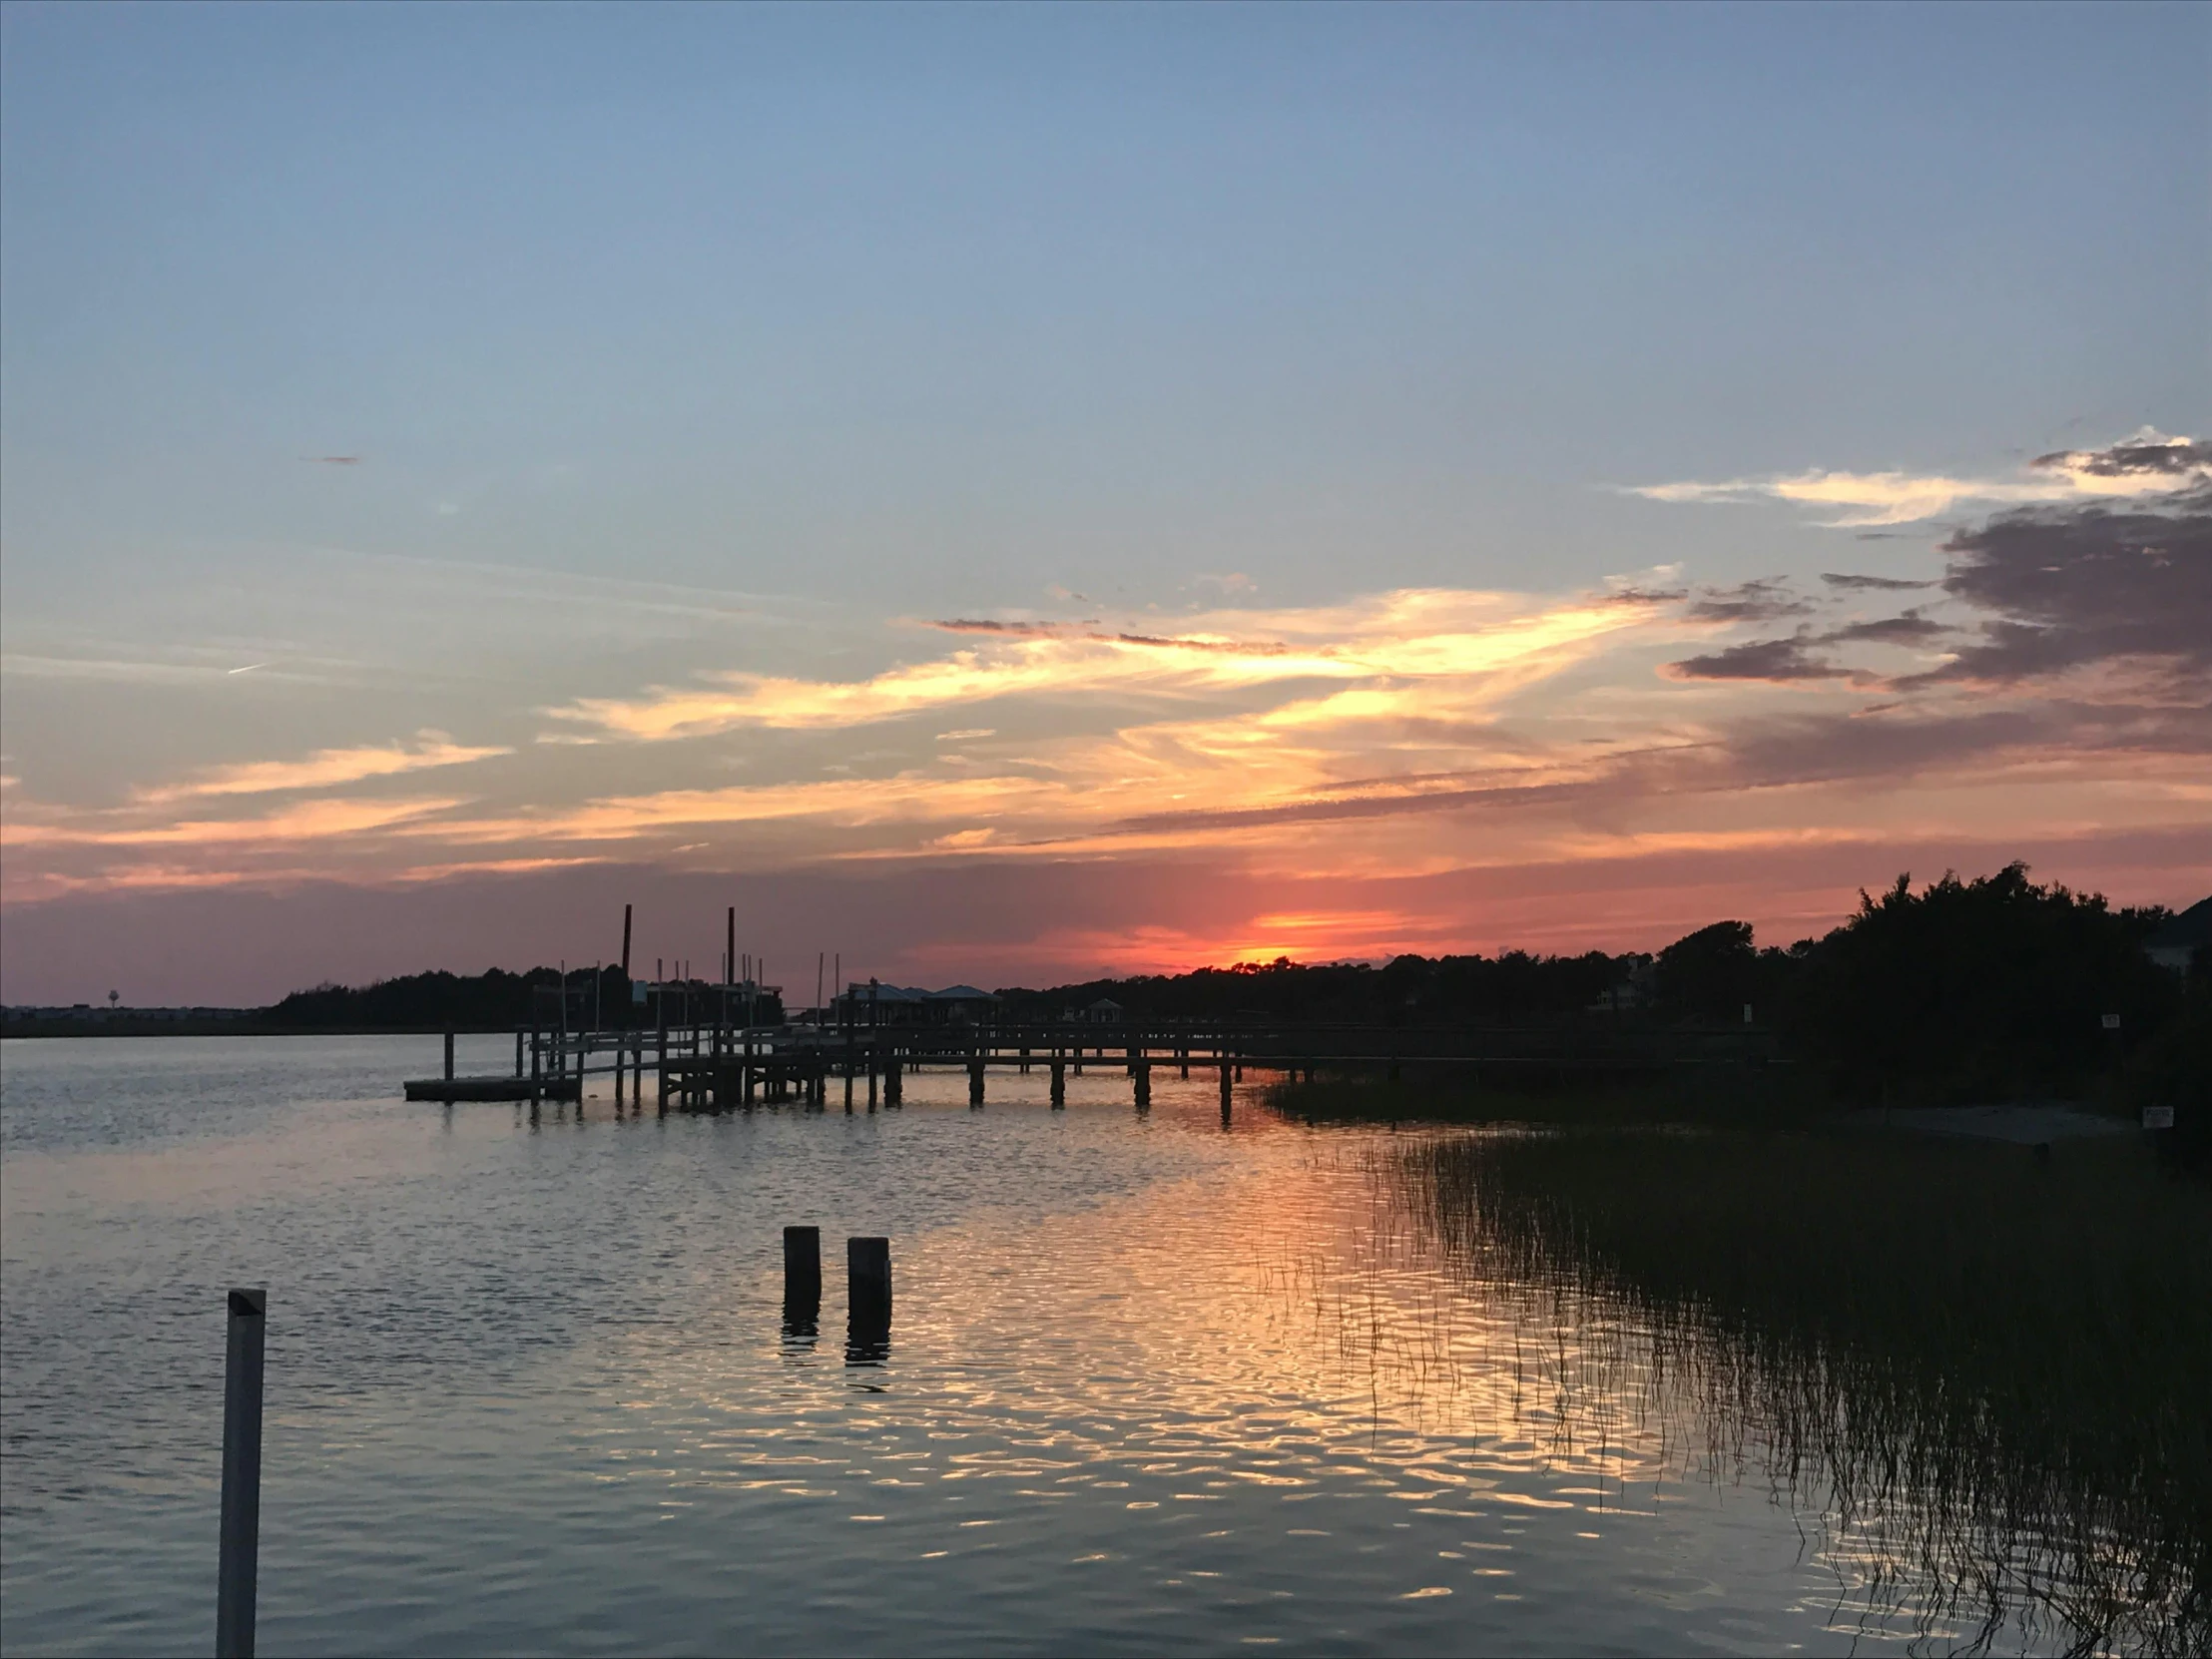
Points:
x=1090 y=631
x=1896 y=744
x=2071 y=587
x=1776 y=661
x=2135 y=458
x=1910 y=629
x=334 y=460
x=1870 y=584
x=1241 y=648
x=1761 y=601
x=1015 y=630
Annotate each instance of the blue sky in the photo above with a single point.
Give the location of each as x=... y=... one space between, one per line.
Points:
x=675 y=341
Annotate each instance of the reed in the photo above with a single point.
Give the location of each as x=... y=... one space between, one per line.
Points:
x=1747 y=1096
x=1993 y=1368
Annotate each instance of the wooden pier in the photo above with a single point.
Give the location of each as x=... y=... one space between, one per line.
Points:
x=719 y=1067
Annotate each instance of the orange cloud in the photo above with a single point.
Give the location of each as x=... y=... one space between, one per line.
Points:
x=311 y=820
x=325 y=769
x=1415 y=633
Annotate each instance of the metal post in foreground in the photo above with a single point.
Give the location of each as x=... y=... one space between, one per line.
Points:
x=241 y=1476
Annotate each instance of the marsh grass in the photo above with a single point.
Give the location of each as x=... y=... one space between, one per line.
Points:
x=1994 y=1369
x=1747 y=1096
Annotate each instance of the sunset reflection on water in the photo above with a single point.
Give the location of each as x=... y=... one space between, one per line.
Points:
x=1149 y=1383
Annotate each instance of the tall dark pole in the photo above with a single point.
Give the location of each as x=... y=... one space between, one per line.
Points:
x=626 y=941
x=729 y=956
x=241 y=1476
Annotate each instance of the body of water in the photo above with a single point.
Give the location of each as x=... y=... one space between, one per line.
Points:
x=1155 y=1383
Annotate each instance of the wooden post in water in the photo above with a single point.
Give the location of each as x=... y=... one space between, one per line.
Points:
x=518 y=1051
x=894 y=1079
x=1059 y=1081
x=240 y=1550
x=449 y=1054
x=802 y=1271
x=662 y=999
x=867 y=1266
x=975 y=1068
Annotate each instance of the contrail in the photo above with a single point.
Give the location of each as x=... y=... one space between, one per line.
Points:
x=250 y=666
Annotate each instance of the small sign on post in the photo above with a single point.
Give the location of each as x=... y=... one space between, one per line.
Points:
x=2158 y=1117
x=2111 y=1022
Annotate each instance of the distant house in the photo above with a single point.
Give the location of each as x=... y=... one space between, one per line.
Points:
x=2175 y=945
x=961 y=1005
x=910 y=1005
x=1105 y=1011
x=1631 y=991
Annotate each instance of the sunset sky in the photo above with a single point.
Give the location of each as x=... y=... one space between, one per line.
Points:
x=1013 y=494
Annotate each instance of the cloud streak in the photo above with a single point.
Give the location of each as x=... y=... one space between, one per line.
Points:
x=1412 y=634
x=2148 y=464
x=325 y=769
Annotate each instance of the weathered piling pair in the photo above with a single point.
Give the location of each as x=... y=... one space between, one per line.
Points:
x=867 y=1268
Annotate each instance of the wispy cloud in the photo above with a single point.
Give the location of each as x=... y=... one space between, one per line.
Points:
x=1420 y=633
x=325 y=769
x=2147 y=463
x=307 y=821
x=1873 y=584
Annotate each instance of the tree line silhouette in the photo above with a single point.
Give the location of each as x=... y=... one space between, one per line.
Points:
x=1990 y=989
x=1995 y=988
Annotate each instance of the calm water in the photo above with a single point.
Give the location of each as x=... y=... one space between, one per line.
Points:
x=1153 y=1384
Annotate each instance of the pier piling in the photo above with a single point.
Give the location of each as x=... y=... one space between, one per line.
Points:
x=867 y=1266
x=239 y=1548
x=802 y=1273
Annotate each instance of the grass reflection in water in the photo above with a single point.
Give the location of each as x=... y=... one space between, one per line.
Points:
x=1990 y=1372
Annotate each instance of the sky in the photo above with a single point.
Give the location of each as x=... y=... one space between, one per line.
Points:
x=1010 y=494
